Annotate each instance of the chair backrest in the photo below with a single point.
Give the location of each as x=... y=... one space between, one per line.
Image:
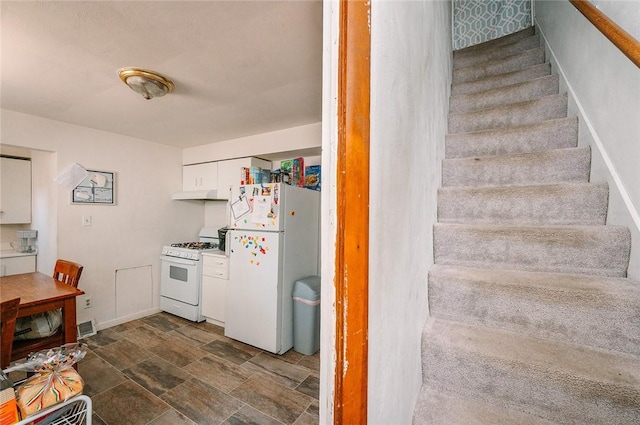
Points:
x=67 y=272
x=8 y=314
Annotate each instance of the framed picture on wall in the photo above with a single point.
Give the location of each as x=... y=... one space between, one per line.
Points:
x=98 y=188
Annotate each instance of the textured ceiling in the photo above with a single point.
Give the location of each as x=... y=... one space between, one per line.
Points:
x=240 y=67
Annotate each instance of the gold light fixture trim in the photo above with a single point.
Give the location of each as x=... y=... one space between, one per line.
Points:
x=149 y=84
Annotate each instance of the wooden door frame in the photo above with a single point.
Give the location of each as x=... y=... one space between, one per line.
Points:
x=352 y=211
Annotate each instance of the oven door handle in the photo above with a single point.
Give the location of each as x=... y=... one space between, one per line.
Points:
x=177 y=260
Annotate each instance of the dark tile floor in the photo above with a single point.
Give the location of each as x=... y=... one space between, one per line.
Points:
x=164 y=370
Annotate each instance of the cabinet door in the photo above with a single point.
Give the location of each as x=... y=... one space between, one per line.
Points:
x=15 y=190
x=214 y=298
x=200 y=176
x=229 y=172
x=17 y=265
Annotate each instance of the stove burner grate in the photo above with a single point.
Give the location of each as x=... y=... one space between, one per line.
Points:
x=195 y=245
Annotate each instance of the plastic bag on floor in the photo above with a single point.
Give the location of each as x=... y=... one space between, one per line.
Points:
x=55 y=379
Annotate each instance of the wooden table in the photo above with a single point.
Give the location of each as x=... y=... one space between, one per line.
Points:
x=39 y=292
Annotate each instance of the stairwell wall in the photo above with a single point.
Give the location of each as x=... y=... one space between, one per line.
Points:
x=604 y=92
x=410 y=80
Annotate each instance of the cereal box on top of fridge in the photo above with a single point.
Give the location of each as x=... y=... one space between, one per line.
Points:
x=297 y=172
x=285 y=165
x=244 y=175
x=312 y=177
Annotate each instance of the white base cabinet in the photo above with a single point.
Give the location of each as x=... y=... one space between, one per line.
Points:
x=17 y=265
x=215 y=275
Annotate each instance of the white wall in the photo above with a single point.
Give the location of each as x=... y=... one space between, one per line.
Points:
x=625 y=13
x=410 y=79
x=126 y=236
x=290 y=139
x=604 y=91
x=44 y=211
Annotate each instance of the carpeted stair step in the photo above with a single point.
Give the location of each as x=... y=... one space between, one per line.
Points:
x=501 y=80
x=551 y=204
x=531 y=319
x=545 y=135
x=438 y=408
x=594 y=250
x=491 y=44
x=541 y=109
x=596 y=311
x=497 y=53
x=507 y=95
x=557 y=381
x=508 y=64
x=554 y=166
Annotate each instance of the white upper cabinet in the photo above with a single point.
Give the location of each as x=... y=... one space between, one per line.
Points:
x=200 y=176
x=217 y=176
x=229 y=172
x=15 y=190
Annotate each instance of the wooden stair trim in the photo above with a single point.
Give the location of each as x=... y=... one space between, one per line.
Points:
x=352 y=211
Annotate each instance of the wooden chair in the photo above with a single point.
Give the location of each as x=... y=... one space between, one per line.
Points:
x=8 y=314
x=25 y=341
x=67 y=272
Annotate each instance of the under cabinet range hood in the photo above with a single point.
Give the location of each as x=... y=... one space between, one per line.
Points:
x=210 y=195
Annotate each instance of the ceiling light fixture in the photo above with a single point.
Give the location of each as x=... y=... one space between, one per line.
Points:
x=148 y=83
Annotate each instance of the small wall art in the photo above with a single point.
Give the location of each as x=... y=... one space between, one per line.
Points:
x=98 y=188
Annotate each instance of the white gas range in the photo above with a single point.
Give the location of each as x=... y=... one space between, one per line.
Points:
x=181 y=275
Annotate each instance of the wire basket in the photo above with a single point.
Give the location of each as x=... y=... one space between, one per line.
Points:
x=74 y=411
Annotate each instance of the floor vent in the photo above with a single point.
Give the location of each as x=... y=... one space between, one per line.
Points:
x=86 y=329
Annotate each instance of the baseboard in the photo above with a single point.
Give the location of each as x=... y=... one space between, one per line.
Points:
x=124 y=319
x=625 y=213
x=598 y=144
x=214 y=322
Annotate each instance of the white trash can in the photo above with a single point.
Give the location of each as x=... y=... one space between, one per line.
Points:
x=306 y=315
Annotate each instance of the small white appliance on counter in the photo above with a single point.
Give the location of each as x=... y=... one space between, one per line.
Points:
x=26 y=241
x=272 y=242
x=181 y=275
x=21 y=258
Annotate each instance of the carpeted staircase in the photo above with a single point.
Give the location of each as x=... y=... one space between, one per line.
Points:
x=532 y=319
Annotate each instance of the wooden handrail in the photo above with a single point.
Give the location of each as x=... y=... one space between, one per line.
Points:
x=619 y=37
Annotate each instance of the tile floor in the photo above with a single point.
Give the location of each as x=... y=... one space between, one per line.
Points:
x=164 y=370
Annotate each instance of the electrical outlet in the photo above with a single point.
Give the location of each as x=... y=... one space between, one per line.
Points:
x=87 y=302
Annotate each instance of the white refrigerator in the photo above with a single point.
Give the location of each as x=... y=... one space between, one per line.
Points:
x=272 y=242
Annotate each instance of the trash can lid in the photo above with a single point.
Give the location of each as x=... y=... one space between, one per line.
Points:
x=307 y=288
